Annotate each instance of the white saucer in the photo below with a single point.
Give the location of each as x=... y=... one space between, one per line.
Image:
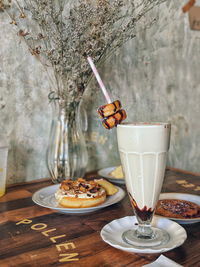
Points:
x=105 y=173
x=45 y=198
x=189 y=197
x=111 y=233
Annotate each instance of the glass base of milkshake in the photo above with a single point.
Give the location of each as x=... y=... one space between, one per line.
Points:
x=143 y=151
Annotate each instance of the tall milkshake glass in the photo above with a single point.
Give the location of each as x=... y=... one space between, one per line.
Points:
x=143 y=151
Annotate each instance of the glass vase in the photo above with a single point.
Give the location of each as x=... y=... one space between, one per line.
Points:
x=67 y=153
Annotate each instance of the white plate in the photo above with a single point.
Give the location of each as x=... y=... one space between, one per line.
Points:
x=111 y=233
x=45 y=198
x=189 y=197
x=105 y=173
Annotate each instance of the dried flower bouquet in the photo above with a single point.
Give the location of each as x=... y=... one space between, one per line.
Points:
x=61 y=34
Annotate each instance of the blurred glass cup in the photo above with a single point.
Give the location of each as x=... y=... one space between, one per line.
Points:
x=3 y=163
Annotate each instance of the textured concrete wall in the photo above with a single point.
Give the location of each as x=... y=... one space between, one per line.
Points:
x=156 y=76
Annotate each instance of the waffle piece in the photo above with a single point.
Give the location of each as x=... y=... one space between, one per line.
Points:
x=110 y=188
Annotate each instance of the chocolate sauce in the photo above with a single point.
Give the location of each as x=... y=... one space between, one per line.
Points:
x=93 y=190
x=121 y=113
x=100 y=111
x=115 y=106
x=144 y=214
x=120 y=105
x=84 y=185
x=106 y=124
x=116 y=120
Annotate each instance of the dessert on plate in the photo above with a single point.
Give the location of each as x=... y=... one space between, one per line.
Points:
x=110 y=188
x=82 y=193
x=117 y=173
x=177 y=208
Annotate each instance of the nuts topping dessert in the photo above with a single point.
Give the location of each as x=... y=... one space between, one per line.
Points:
x=80 y=193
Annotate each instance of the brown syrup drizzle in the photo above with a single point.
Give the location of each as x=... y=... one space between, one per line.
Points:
x=144 y=214
x=116 y=120
x=106 y=123
x=115 y=105
x=100 y=111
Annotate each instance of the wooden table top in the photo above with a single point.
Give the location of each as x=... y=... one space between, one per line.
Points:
x=34 y=236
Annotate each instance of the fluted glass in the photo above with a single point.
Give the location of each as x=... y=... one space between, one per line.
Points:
x=143 y=151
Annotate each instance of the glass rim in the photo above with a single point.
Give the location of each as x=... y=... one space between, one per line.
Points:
x=144 y=124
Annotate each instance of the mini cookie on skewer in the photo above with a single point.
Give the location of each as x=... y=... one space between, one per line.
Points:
x=115 y=119
x=109 y=109
x=111 y=112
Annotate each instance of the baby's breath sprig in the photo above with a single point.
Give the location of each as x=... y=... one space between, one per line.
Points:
x=61 y=35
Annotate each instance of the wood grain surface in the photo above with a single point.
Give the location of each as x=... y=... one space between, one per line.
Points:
x=34 y=236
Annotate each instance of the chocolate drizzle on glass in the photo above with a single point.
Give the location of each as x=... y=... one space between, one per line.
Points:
x=143 y=214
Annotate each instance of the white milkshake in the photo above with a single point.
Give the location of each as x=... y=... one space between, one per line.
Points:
x=143 y=150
